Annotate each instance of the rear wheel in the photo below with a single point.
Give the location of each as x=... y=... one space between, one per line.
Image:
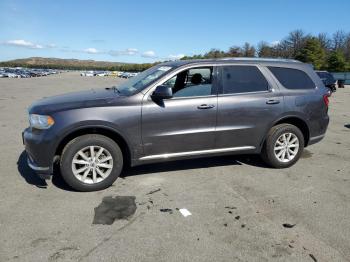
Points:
x=283 y=146
x=91 y=162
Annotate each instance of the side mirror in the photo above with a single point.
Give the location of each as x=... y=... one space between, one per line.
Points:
x=162 y=92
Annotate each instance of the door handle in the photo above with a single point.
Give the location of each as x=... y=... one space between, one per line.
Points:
x=272 y=101
x=205 y=106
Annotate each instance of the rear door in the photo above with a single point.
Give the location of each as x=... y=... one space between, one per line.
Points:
x=185 y=122
x=247 y=106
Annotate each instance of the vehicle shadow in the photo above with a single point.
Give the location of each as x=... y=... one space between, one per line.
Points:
x=27 y=173
x=347 y=125
x=33 y=179
x=188 y=164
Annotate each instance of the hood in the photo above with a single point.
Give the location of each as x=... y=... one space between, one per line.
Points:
x=82 y=99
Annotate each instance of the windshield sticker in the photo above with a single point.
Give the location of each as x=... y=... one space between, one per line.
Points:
x=164 y=68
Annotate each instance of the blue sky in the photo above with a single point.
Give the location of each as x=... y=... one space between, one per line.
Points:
x=147 y=31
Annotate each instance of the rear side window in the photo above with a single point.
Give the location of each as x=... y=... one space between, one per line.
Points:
x=292 y=78
x=326 y=76
x=242 y=79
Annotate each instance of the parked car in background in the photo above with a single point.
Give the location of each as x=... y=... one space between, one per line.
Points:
x=179 y=110
x=113 y=73
x=328 y=80
x=19 y=72
x=100 y=73
x=125 y=75
x=88 y=73
x=133 y=74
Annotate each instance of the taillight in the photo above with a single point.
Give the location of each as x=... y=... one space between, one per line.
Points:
x=326 y=99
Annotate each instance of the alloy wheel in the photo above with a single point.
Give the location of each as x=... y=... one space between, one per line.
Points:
x=286 y=147
x=92 y=164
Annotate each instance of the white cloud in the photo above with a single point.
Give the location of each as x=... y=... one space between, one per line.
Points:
x=128 y=51
x=91 y=50
x=274 y=43
x=131 y=51
x=23 y=43
x=51 y=46
x=176 y=57
x=149 y=53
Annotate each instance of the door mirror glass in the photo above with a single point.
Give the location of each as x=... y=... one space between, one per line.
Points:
x=162 y=92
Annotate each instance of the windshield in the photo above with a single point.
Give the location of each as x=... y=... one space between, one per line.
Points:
x=139 y=82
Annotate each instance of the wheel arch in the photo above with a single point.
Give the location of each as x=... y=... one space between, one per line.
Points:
x=296 y=121
x=101 y=130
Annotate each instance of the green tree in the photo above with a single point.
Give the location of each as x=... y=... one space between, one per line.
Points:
x=215 y=53
x=234 y=51
x=265 y=50
x=336 y=62
x=312 y=53
x=248 y=50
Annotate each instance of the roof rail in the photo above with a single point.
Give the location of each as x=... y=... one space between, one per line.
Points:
x=260 y=59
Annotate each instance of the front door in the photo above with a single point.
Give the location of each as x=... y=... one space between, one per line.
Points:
x=184 y=123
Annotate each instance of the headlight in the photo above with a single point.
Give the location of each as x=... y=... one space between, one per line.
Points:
x=40 y=121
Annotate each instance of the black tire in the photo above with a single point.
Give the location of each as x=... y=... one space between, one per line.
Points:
x=268 y=154
x=81 y=142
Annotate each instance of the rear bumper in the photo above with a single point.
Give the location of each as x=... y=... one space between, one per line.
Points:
x=315 y=139
x=321 y=131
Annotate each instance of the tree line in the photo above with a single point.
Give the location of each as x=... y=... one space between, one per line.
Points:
x=65 y=66
x=324 y=51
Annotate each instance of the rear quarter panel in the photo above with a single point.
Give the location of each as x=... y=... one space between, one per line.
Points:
x=307 y=104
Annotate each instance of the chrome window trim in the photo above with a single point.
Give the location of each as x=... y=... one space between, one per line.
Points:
x=245 y=93
x=148 y=90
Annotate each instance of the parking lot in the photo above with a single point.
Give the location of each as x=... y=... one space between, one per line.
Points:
x=241 y=210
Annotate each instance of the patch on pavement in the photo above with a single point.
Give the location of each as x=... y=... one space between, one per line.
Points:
x=112 y=208
x=306 y=154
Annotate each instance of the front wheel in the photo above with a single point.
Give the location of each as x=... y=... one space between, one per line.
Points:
x=91 y=162
x=283 y=146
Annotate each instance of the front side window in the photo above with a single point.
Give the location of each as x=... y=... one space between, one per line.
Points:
x=192 y=82
x=292 y=78
x=242 y=79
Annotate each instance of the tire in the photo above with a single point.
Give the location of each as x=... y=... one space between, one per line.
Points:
x=270 y=150
x=93 y=180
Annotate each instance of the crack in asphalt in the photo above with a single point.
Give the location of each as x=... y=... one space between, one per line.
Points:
x=105 y=240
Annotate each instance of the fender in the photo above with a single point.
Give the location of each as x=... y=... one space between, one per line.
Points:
x=284 y=118
x=90 y=124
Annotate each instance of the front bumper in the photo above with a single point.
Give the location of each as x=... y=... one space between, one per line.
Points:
x=42 y=172
x=39 y=151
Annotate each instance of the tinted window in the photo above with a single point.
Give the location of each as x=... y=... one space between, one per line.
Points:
x=326 y=76
x=242 y=79
x=292 y=78
x=192 y=82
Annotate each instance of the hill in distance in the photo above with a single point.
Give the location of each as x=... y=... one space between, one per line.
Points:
x=58 y=63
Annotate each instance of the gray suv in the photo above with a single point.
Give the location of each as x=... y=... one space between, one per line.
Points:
x=177 y=110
